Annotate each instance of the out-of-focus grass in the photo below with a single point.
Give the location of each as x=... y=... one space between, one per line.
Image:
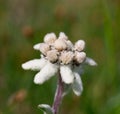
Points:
x=25 y=22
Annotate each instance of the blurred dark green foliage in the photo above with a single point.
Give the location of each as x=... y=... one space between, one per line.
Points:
x=24 y=23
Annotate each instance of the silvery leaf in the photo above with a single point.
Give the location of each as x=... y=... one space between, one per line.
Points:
x=90 y=62
x=46 y=108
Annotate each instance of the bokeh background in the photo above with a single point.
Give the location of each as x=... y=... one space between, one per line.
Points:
x=24 y=23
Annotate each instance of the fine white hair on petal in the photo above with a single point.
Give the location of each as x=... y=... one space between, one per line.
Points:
x=63 y=36
x=66 y=74
x=77 y=84
x=35 y=64
x=46 y=73
x=37 y=46
x=90 y=61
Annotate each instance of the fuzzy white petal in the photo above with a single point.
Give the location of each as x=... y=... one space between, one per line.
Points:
x=77 y=85
x=37 y=46
x=90 y=61
x=35 y=64
x=66 y=74
x=46 y=73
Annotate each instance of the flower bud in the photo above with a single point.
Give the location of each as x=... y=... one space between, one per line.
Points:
x=50 y=38
x=44 y=48
x=66 y=57
x=52 y=55
x=79 y=57
x=63 y=36
x=79 y=45
x=60 y=45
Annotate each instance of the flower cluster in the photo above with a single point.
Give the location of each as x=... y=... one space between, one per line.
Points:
x=61 y=50
x=59 y=54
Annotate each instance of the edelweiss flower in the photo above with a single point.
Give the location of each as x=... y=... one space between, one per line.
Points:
x=60 y=55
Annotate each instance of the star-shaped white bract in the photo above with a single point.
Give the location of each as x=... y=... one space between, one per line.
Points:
x=60 y=55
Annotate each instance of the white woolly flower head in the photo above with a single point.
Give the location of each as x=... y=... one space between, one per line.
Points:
x=60 y=45
x=52 y=55
x=79 y=57
x=62 y=36
x=66 y=57
x=80 y=45
x=44 y=48
x=59 y=54
x=50 y=38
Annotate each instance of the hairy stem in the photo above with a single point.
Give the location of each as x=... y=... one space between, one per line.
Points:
x=58 y=95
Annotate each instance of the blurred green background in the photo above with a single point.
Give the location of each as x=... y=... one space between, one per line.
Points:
x=24 y=23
